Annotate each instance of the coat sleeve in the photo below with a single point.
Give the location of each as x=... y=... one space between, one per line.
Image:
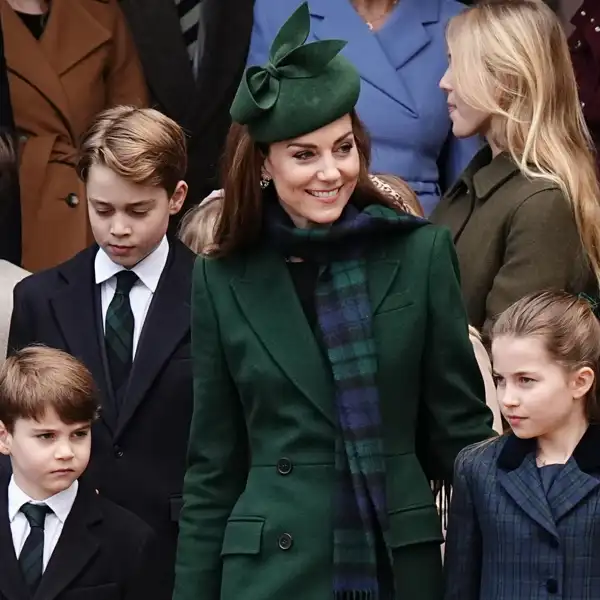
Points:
x=21 y=332
x=142 y=576
x=453 y=413
x=217 y=457
x=542 y=251
x=124 y=77
x=462 y=558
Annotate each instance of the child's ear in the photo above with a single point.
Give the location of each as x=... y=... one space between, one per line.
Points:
x=178 y=198
x=5 y=439
x=581 y=381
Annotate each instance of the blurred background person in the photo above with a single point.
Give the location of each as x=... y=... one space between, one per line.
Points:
x=525 y=214
x=399 y=50
x=10 y=204
x=67 y=60
x=193 y=53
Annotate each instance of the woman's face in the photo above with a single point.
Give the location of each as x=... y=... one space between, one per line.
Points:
x=315 y=174
x=466 y=120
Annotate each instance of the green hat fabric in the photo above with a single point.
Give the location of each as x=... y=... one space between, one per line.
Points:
x=302 y=88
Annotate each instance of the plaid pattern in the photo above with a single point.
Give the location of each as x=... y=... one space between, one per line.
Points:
x=362 y=564
x=119 y=330
x=32 y=554
x=507 y=540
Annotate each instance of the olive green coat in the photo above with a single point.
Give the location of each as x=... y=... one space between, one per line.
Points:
x=513 y=236
x=257 y=517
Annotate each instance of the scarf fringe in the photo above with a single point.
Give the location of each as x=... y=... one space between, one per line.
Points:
x=355 y=595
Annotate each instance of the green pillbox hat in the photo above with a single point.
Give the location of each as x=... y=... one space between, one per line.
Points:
x=302 y=88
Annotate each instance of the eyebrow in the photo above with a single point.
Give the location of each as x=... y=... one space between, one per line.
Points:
x=50 y=430
x=301 y=145
x=132 y=205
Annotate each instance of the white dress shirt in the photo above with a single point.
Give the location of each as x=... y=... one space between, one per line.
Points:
x=60 y=504
x=148 y=271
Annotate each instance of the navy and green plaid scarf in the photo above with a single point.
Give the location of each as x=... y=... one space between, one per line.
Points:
x=362 y=564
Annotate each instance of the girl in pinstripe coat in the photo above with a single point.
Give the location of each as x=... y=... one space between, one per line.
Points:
x=525 y=515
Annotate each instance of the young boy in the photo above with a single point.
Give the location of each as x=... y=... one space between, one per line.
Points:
x=123 y=308
x=58 y=537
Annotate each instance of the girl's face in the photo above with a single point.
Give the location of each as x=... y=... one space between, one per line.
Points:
x=466 y=120
x=537 y=396
x=315 y=175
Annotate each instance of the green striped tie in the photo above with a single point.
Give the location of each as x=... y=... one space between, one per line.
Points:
x=32 y=555
x=119 y=331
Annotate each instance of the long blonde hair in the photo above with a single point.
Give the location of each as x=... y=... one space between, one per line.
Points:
x=510 y=59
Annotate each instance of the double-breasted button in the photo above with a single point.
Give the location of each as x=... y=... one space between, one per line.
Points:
x=552 y=585
x=285 y=541
x=118 y=451
x=72 y=200
x=284 y=466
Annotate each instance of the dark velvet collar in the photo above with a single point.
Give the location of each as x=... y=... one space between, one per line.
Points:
x=586 y=454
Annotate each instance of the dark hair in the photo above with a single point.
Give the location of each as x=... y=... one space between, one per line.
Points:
x=568 y=328
x=37 y=378
x=8 y=164
x=240 y=221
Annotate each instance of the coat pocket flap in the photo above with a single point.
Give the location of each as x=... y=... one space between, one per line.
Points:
x=243 y=536
x=414 y=526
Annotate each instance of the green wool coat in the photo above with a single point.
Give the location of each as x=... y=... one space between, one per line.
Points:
x=513 y=236
x=257 y=517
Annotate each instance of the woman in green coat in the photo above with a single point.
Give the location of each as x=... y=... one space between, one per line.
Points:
x=334 y=376
x=525 y=214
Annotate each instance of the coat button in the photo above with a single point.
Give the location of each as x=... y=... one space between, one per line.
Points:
x=72 y=200
x=284 y=466
x=118 y=451
x=285 y=541
x=554 y=543
x=552 y=585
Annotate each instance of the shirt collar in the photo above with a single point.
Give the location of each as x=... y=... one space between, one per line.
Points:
x=60 y=504
x=148 y=270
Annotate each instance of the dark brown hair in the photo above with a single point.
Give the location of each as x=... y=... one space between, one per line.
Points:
x=240 y=222
x=37 y=378
x=568 y=328
x=8 y=164
x=139 y=144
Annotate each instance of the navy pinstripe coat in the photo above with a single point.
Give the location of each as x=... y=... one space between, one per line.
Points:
x=507 y=541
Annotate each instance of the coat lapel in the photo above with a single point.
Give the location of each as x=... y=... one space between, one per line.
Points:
x=365 y=50
x=571 y=486
x=26 y=59
x=267 y=298
x=157 y=32
x=524 y=486
x=75 y=309
x=76 y=546
x=166 y=325
x=12 y=585
x=381 y=273
x=71 y=35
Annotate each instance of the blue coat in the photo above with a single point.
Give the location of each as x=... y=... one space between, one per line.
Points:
x=400 y=67
x=507 y=540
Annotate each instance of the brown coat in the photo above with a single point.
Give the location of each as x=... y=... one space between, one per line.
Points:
x=84 y=62
x=513 y=236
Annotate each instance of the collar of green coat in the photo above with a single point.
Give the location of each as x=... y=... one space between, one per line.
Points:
x=484 y=175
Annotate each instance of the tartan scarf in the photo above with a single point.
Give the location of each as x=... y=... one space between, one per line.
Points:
x=362 y=568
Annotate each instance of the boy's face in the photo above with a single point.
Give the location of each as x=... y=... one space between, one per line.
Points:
x=48 y=455
x=128 y=220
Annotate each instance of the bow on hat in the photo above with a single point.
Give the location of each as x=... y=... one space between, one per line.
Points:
x=289 y=58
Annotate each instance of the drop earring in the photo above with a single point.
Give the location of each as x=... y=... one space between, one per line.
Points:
x=265 y=180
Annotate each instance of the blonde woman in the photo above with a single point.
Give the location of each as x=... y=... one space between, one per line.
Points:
x=524 y=214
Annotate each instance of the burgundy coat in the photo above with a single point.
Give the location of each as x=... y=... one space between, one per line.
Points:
x=585 y=52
